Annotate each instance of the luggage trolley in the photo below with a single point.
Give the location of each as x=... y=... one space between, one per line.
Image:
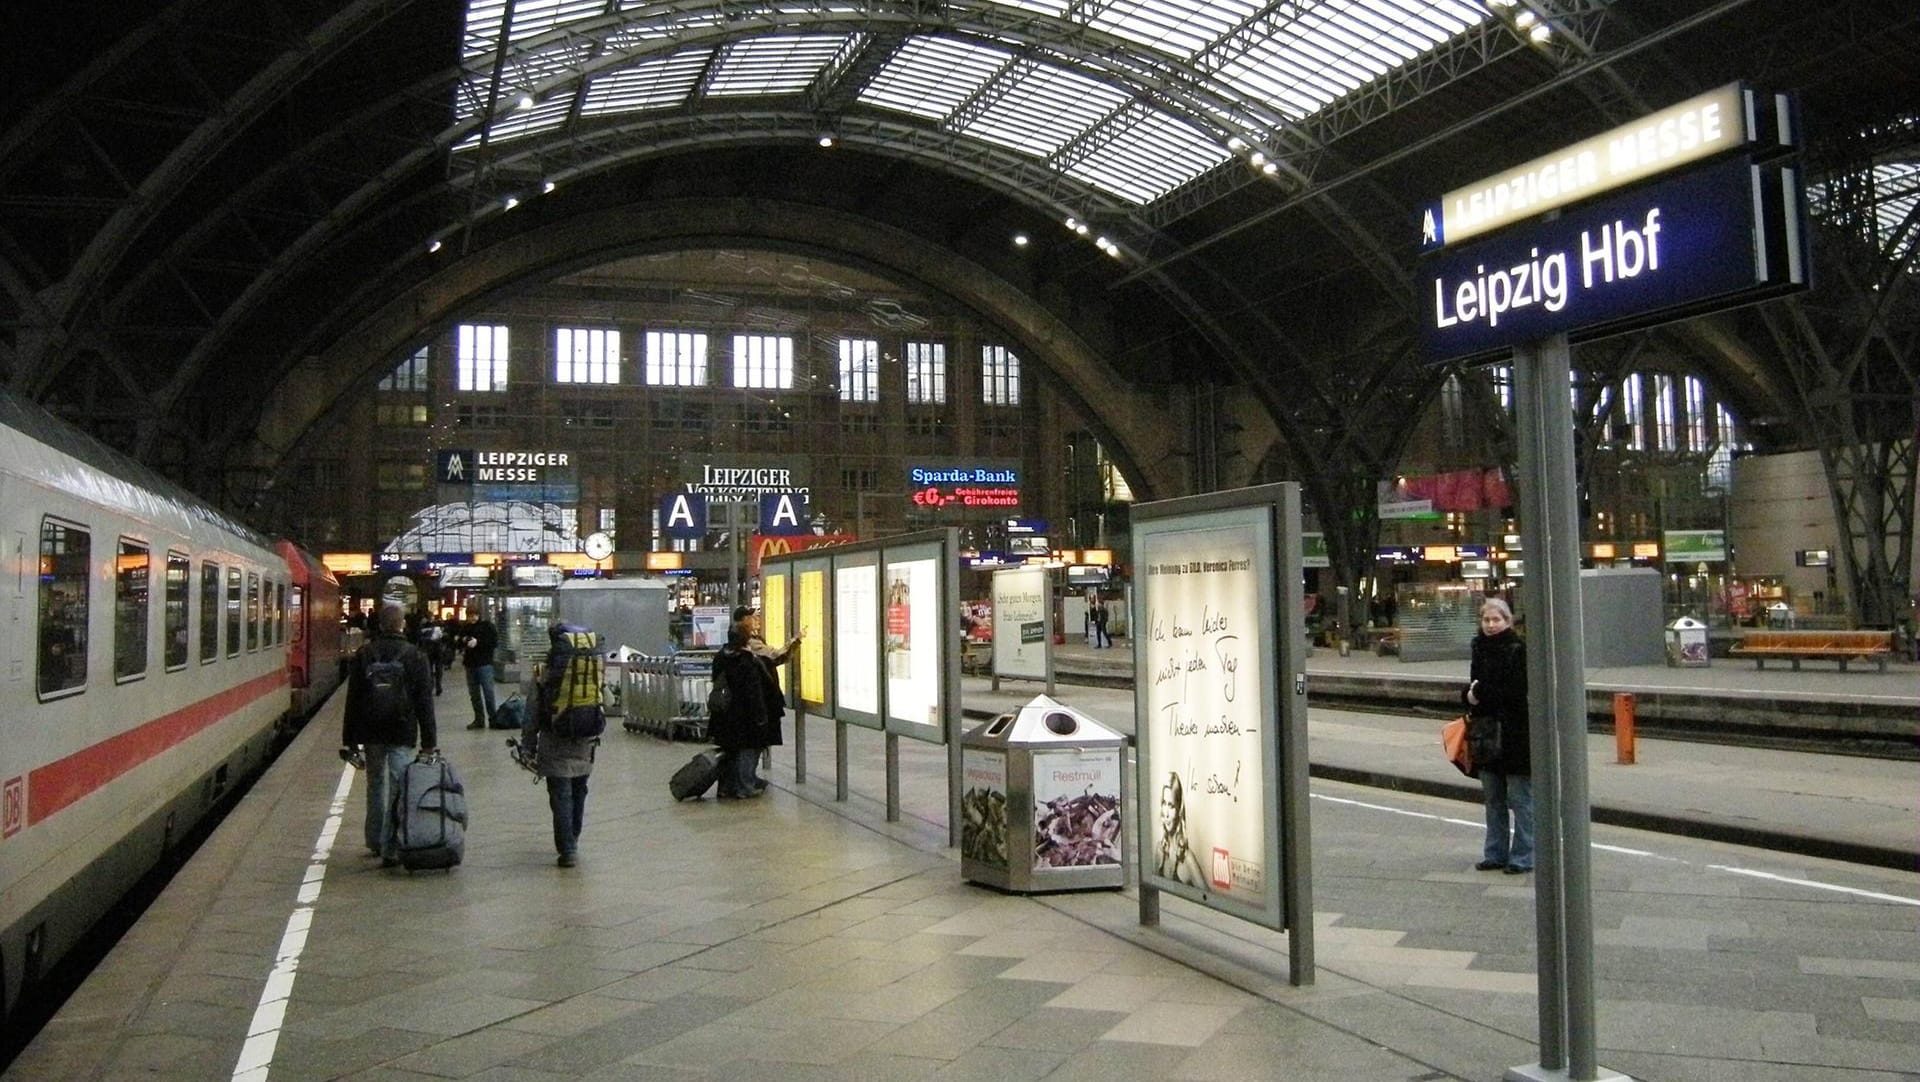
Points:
x=666 y=694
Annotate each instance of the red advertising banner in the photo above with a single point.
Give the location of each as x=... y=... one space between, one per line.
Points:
x=763 y=545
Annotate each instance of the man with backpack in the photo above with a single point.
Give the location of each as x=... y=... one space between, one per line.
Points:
x=566 y=724
x=389 y=711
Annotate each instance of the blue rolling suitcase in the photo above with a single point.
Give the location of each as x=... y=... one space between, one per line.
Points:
x=430 y=815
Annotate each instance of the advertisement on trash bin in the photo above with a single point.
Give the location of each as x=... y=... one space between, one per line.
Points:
x=1206 y=703
x=983 y=806
x=1076 y=808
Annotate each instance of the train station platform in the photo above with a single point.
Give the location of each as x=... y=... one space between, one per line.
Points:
x=797 y=938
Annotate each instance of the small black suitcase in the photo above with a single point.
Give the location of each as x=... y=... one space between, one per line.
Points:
x=692 y=781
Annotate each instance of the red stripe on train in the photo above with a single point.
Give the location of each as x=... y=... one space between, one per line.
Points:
x=65 y=781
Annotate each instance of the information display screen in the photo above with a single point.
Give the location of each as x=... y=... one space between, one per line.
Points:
x=813 y=621
x=1207 y=721
x=856 y=639
x=1020 y=623
x=913 y=642
x=773 y=618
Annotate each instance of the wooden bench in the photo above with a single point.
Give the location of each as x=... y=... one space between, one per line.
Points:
x=1841 y=646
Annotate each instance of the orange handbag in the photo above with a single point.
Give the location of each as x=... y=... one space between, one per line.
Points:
x=1453 y=740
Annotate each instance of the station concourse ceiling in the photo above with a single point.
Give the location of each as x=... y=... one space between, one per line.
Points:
x=218 y=218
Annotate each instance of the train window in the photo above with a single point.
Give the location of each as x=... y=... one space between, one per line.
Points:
x=280 y=613
x=209 y=612
x=178 y=572
x=233 y=612
x=253 y=612
x=66 y=554
x=132 y=577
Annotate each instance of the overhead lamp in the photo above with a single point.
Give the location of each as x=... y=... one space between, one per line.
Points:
x=1269 y=169
x=1236 y=144
x=1072 y=223
x=1525 y=19
x=433 y=245
x=1019 y=240
x=1258 y=159
x=826 y=139
x=510 y=202
x=1541 y=32
x=526 y=101
x=1081 y=228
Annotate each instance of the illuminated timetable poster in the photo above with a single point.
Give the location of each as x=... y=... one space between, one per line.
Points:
x=856 y=629
x=913 y=644
x=813 y=648
x=1203 y=785
x=773 y=617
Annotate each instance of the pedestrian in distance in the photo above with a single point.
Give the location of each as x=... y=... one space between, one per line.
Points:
x=430 y=637
x=389 y=712
x=477 y=649
x=560 y=738
x=1101 y=640
x=1497 y=734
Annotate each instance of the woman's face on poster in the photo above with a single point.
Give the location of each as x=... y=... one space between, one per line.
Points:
x=1169 y=805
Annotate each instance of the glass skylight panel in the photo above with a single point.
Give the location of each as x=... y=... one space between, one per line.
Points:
x=930 y=77
x=531 y=18
x=1333 y=49
x=1044 y=109
x=652 y=84
x=1150 y=159
x=1180 y=27
x=1044 y=7
x=522 y=122
x=773 y=65
x=1898 y=187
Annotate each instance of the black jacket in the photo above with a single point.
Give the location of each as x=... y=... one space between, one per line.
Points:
x=485 y=639
x=418 y=729
x=753 y=721
x=1500 y=666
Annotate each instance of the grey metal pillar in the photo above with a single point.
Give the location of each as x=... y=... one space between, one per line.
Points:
x=892 y=741
x=1556 y=703
x=840 y=761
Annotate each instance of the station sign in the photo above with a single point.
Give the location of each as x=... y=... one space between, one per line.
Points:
x=785 y=513
x=1730 y=118
x=1724 y=234
x=683 y=516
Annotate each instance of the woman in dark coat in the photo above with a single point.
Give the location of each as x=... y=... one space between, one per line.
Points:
x=1496 y=698
x=751 y=722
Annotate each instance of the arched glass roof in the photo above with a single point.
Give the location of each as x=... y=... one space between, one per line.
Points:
x=1133 y=97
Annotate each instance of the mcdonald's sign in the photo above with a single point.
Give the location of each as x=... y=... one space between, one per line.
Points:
x=764 y=545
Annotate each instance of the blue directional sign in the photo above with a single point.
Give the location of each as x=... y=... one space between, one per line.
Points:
x=1713 y=237
x=784 y=514
x=683 y=516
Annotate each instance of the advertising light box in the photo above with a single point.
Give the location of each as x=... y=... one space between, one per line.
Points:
x=813 y=621
x=856 y=645
x=1719 y=235
x=774 y=595
x=1208 y=774
x=914 y=644
x=1021 y=605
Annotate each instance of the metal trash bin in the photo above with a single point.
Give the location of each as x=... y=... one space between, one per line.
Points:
x=1041 y=801
x=1687 y=644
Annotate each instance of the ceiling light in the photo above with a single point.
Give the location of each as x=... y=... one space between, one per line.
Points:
x=1081 y=228
x=1258 y=159
x=1236 y=144
x=433 y=245
x=511 y=202
x=526 y=101
x=826 y=138
x=1019 y=240
x=1072 y=224
x=1525 y=19
x=548 y=187
x=1269 y=169
x=1541 y=32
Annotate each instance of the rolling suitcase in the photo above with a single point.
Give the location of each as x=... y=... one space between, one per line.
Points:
x=692 y=781
x=430 y=815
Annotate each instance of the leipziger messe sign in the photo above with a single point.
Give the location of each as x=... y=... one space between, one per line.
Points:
x=1717 y=228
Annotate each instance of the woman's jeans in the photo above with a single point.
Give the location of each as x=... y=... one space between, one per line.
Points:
x=1506 y=793
x=386 y=764
x=480 y=693
x=568 y=799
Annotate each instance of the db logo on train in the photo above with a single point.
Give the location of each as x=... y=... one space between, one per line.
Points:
x=14 y=815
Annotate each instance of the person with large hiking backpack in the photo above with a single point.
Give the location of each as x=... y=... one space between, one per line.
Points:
x=389 y=712
x=566 y=724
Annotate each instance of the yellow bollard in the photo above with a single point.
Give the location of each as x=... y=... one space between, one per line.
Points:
x=1623 y=728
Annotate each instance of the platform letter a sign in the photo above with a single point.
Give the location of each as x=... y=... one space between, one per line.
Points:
x=784 y=514
x=683 y=515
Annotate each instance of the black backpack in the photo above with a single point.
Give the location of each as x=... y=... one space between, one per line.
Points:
x=387 y=702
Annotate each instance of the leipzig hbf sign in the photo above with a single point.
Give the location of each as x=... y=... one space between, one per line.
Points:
x=1728 y=231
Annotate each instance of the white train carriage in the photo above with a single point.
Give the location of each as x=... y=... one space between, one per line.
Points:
x=145 y=670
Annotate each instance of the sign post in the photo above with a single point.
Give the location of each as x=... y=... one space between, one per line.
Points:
x=1723 y=225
